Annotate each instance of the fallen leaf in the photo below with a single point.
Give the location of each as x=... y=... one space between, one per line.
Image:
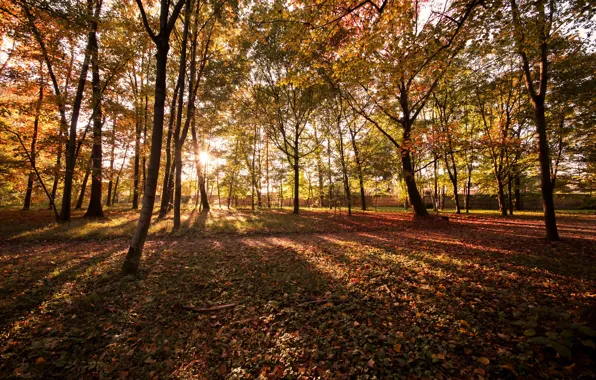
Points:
x=484 y=361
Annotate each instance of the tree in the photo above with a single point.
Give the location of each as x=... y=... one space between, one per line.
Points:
x=95 y=208
x=161 y=40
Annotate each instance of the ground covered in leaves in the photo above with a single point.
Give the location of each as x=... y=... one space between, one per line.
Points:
x=314 y=296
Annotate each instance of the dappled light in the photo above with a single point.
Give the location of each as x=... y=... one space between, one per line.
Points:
x=272 y=190
x=376 y=294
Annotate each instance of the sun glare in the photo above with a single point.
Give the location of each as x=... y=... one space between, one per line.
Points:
x=204 y=157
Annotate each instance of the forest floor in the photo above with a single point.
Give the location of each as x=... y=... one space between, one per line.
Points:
x=312 y=296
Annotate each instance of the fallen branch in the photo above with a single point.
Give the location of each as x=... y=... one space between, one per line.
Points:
x=208 y=309
x=325 y=300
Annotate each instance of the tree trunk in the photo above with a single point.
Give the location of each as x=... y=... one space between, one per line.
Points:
x=468 y=190
x=133 y=258
x=518 y=198
x=56 y=171
x=501 y=197
x=359 y=169
x=95 y=208
x=110 y=183
x=296 y=182
x=74 y=120
x=436 y=186
x=201 y=179
x=413 y=193
x=267 y=171
x=79 y=204
x=548 y=202
x=329 y=173
x=344 y=170
x=510 y=195
x=33 y=153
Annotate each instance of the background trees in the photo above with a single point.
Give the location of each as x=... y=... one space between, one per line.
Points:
x=288 y=104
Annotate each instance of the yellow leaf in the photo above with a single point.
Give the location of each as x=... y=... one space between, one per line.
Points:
x=483 y=360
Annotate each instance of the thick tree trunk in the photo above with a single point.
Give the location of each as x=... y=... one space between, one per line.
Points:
x=95 y=208
x=413 y=193
x=548 y=202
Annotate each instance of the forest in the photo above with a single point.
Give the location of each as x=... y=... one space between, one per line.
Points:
x=297 y=189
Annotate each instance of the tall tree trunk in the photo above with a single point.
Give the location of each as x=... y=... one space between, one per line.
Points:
x=133 y=257
x=359 y=170
x=113 y=146
x=344 y=169
x=165 y=189
x=329 y=174
x=33 y=153
x=548 y=202
x=60 y=100
x=409 y=173
x=74 y=120
x=135 y=184
x=538 y=101
x=436 y=186
x=95 y=208
x=267 y=171
x=468 y=187
x=296 y=180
